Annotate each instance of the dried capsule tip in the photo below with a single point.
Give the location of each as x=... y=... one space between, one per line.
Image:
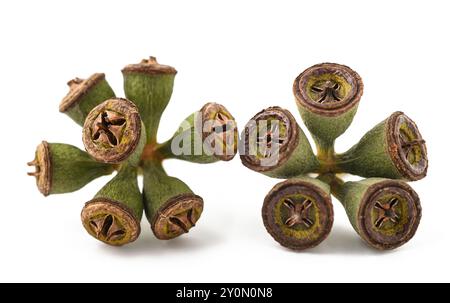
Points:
x=78 y=88
x=112 y=130
x=269 y=139
x=110 y=221
x=219 y=131
x=43 y=168
x=177 y=216
x=74 y=83
x=149 y=66
x=150 y=60
x=37 y=168
x=298 y=214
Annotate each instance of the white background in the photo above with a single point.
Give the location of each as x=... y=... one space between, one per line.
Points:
x=242 y=54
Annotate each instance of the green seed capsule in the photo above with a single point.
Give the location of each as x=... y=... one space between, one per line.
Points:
x=273 y=144
x=327 y=97
x=170 y=205
x=114 y=215
x=392 y=149
x=206 y=136
x=298 y=212
x=84 y=95
x=384 y=212
x=149 y=85
x=63 y=168
x=113 y=132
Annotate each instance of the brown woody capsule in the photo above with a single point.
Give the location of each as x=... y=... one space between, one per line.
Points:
x=112 y=131
x=205 y=136
x=407 y=147
x=62 y=168
x=84 y=95
x=384 y=212
x=114 y=215
x=177 y=217
x=298 y=213
x=274 y=144
x=392 y=149
x=171 y=207
x=219 y=128
x=149 y=85
x=110 y=221
x=327 y=97
x=389 y=214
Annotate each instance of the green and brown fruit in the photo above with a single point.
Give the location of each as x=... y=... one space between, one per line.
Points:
x=84 y=95
x=384 y=212
x=327 y=97
x=63 y=168
x=120 y=135
x=272 y=143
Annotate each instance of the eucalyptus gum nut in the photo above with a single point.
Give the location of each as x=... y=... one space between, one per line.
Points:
x=114 y=215
x=272 y=143
x=171 y=207
x=113 y=132
x=384 y=212
x=84 y=95
x=205 y=136
x=298 y=212
x=394 y=149
x=149 y=85
x=327 y=96
x=63 y=168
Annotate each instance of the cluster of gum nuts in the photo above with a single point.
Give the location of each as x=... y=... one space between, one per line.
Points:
x=298 y=213
x=120 y=135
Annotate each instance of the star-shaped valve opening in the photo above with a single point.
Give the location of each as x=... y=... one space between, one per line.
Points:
x=409 y=146
x=327 y=92
x=108 y=128
x=298 y=213
x=269 y=139
x=107 y=228
x=223 y=129
x=387 y=212
x=183 y=221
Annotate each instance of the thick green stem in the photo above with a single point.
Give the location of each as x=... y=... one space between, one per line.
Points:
x=326 y=155
x=165 y=150
x=336 y=185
